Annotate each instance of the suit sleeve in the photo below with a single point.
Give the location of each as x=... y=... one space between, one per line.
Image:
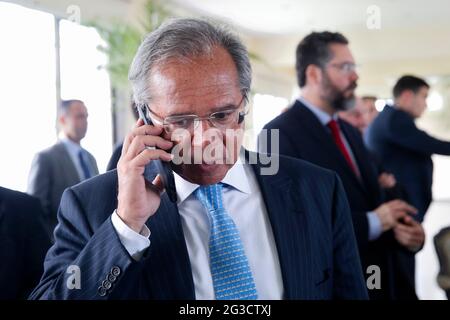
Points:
x=38 y=242
x=40 y=180
x=96 y=259
x=349 y=282
x=404 y=132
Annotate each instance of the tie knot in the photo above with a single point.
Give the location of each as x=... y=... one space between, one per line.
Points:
x=333 y=125
x=210 y=196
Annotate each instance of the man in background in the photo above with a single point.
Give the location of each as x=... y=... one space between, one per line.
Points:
x=311 y=130
x=360 y=116
x=370 y=107
x=404 y=149
x=64 y=164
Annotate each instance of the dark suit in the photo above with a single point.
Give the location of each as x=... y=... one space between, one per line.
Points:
x=52 y=171
x=307 y=210
x=112 y=163
x=302 y=135
x=24 y=241
x=406 y=151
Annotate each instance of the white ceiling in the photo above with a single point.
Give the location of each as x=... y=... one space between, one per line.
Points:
x=413 y=38
x=288 y=17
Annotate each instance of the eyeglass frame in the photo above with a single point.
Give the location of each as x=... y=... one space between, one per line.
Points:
x=346 y=67
x=157 y=119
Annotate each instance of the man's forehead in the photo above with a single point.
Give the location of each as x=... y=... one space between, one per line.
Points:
x=185 y=86
x=78 y=106
x=194 y=103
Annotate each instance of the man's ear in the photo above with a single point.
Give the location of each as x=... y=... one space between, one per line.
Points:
x=408 y=96
x=61 y=120
x=313 y=74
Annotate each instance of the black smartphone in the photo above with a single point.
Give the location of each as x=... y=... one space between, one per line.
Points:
x=164 y=169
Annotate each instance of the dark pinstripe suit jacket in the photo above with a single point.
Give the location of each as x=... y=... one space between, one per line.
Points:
x=307 y=209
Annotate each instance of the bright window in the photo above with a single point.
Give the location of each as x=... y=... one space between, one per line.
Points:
x=27 y=90
x=28 y=94
x=83 y=78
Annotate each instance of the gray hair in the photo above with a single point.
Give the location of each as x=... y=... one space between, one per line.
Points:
x=184 y=39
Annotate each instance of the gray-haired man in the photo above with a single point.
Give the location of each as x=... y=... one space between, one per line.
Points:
x=233 y=233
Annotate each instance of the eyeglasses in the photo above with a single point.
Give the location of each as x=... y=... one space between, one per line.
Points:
x=346 y=67
x=222 y=120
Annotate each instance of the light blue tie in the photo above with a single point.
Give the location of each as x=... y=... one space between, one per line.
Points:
x=231 y=274
x=84 y=165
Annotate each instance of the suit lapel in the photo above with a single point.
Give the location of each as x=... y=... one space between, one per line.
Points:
x=287 y=220
x=309 y=121
x=169 y=272
x=336 y=161
x=70 y=171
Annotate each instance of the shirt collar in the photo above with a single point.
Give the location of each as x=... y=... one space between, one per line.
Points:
x=323 y=117
x=236 y=177
x=73 y=147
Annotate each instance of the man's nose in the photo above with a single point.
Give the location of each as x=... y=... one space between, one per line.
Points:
x=201 y=134
x=354 y=76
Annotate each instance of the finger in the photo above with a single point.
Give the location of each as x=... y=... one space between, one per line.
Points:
x=403 y=206
x=158 y=183
x=147 y=129
x=140 y=143
x=140 y=129
x=156 y=186
x=399 y=214
x=402 y=228
x=402 y=237
x=139 y=123
x=408 y=220
x=148 y=155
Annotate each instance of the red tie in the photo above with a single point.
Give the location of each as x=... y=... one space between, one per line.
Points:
x=335 y=131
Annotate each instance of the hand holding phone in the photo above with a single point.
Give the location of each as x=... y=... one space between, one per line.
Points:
x=163 y=168
x=138 y=198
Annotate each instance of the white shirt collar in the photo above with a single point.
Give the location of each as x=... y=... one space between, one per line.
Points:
x=323 y=117
x=71 y=146
x=236 y=177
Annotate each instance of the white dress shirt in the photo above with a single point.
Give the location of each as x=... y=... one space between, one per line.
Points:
x=244 y=203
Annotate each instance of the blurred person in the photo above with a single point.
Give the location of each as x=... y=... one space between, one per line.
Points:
x=356 y=116
x=234 y=232
x=360 y=116
x=24 y=241
x=311 y=130
x=369 y=105
x=64 y=164
x=404 y=149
